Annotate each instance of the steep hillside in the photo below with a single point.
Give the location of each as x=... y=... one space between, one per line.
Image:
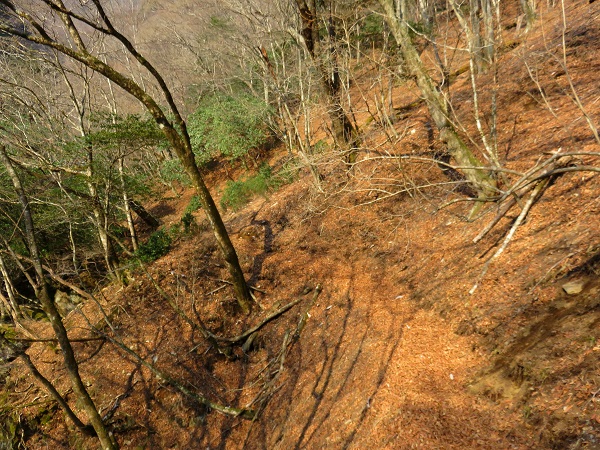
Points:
x=406 y=334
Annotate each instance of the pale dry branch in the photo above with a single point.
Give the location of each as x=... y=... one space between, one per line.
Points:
x=537 y=192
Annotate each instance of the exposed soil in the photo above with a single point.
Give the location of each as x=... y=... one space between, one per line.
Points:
x=395 y=353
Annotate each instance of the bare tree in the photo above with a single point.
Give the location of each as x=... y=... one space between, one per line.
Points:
x=43 y=294
x=325 y=55
x=395 y=13
x=42 y=19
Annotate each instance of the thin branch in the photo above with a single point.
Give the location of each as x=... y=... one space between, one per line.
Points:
x=537 y=191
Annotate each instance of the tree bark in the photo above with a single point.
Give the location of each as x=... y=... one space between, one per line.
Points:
x=43 y=294
x=176 y=133
x=344 y=132
x=11 y=302
x=56 y=395
x=127 y=207
x=143 y=214
x=437 y=104
x=110 y=255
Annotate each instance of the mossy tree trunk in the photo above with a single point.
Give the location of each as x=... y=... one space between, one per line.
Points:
x=480 y=178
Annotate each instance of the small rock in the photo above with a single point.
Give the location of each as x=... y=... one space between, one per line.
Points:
x=573 y=287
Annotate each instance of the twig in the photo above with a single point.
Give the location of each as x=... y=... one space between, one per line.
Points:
x=56 y=340
x=534 y=196
x=550 y=270
x=200 y=327
x=266 y=320
x=216 y=290
x=306 y=315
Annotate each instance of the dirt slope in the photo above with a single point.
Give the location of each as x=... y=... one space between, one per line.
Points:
x=396 y=353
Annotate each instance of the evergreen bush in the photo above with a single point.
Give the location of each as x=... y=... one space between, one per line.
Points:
x=158 y=244
x=228 y=125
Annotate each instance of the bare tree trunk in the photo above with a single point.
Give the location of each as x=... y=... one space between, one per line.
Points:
x=11 y=302
x=11 y=350
x=475 y=36
x=344 y=132
x=126 y=206
x=175 y=132
x=436 y=102
x=56 y=395
x=43 y=294
x=528 y=7
x=110 y=256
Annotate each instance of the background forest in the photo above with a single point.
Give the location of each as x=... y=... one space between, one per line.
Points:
x=299 y=224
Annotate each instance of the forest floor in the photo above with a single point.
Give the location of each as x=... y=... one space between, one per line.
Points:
x=396 y=353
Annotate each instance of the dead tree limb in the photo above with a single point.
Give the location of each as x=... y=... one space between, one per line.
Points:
x=536 y=194
x=266 y=320
x=275 y=367
x=552 y=167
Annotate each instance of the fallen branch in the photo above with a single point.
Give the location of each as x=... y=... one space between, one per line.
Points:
x=537 y=192
x=530 y=181
x=503 y=210
x=269 y=388
x=244 y=413
x=56 y=340
x=265 y=321
x=11 y=350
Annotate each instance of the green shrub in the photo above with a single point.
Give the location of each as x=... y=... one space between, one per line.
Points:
x=158 y=244
x=286 y=175
x=187 y=219
x=228 y=125
x=172 y=170
x=371 y=30
x=238 y=193
x=11 y=430
x=193 y=205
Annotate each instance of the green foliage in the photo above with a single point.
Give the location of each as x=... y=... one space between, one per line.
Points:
x=219 y=22
x=371 y=30
x=238 y=193
x=193 y=205
x=187 y=219
x=228 y=125
x=172 y=170
x=111 y=130
x=12 y=423
x=158 y=244
x=286 y=175
x=372 y=26
x=11 y=430
x=417 y=29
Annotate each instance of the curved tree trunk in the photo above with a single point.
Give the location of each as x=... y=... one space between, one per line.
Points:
x=43 y=294
x=176 y=131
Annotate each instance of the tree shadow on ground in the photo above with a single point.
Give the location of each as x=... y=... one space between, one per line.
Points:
x=339 y=347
